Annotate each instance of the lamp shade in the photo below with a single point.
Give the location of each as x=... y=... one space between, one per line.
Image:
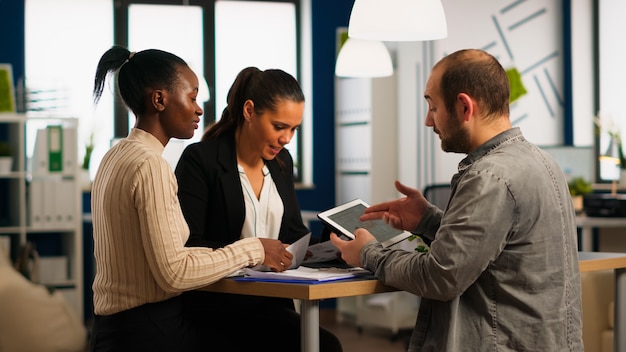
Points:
x=610 y=161
x=397 y=20
x=363 y=58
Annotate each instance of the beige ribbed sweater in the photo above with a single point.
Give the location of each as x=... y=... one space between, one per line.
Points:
x=140 y=233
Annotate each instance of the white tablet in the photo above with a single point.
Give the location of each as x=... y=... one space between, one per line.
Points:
x=344 y=219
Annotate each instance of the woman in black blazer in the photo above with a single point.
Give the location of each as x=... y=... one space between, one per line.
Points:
x=238 y=182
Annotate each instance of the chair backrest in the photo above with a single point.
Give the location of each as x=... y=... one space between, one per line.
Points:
x=438 y=194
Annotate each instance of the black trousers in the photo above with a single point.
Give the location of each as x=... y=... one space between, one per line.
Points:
x=250 y=323
x=151 y=327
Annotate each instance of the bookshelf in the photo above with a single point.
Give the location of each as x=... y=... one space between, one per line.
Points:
x=54 y=196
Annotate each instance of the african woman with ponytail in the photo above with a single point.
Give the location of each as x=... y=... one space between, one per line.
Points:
x=142 y=264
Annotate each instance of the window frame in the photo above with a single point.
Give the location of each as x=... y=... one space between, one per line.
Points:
x=120 y=37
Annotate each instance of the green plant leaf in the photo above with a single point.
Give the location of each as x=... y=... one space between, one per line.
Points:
x=516 y=85
x=579 y=186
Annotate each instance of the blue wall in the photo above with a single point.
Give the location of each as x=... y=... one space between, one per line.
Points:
x=327 y=16
x=12 y=47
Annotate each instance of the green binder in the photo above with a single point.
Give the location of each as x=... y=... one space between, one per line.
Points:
x=55 y=148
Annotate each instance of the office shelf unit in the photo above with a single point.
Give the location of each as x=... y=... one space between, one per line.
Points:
x=58 y=241
x=366 y=168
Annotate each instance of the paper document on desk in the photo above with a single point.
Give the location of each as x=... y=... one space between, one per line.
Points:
x=322 y=252
x=303 y=273
x=298 y=249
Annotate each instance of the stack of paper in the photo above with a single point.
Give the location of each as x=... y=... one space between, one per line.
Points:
x=318 y=253
x=303 y=273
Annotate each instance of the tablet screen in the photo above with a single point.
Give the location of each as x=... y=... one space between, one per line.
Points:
x=344 y=219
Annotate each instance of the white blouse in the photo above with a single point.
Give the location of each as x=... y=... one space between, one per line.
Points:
x=263 y=215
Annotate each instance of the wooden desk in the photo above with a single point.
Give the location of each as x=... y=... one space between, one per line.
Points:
x=596 y=261
x=588 y=223
x=309 y=295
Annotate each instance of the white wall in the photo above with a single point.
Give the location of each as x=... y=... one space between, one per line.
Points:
x=582 y=64
x=526 y=35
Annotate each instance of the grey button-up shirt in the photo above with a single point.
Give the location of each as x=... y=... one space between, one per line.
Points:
x=502 y=271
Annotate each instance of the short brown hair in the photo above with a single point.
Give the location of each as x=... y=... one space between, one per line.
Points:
x=477 y=74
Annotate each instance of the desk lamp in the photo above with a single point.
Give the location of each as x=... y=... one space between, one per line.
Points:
x=610 y=164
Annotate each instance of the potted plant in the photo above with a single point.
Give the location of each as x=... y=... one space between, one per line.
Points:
x=88 y=150
x=6 y=158
x=578 y=187
x=84 y=170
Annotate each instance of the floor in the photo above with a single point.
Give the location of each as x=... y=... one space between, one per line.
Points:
x=367 y=340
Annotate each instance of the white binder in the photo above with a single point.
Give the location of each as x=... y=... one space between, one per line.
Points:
x=39 y=163
x=66 y=146
x=52 y=218
x=66 y=202
x=70 y=151
x=36 y=194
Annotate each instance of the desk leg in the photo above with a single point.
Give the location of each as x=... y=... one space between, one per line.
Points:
x=586 y=239
x=619 y=328
x=309 y=326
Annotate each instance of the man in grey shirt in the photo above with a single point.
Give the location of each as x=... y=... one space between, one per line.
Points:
x=502 y=270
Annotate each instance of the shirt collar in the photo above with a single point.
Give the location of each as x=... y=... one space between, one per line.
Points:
x=146 y=138
x=507 y=136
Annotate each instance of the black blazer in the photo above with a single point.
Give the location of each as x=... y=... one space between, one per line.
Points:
x=211 y=196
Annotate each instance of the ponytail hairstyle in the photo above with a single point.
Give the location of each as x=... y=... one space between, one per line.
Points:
x=264 y=88
x=137 y=74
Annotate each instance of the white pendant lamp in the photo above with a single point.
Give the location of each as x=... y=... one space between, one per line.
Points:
x=397 y=20
x=363 y=58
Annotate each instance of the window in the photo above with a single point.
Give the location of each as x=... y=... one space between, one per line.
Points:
x=199 y=32
x=237 y=34
x=146 y=30
x=262 y=42
x=62 y=50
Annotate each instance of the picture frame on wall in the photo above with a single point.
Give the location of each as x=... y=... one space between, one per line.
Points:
x=7 y=90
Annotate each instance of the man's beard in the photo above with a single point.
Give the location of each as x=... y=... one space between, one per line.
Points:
x=457 y=138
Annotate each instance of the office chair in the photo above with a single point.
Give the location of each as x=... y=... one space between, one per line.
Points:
x=438 y=194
